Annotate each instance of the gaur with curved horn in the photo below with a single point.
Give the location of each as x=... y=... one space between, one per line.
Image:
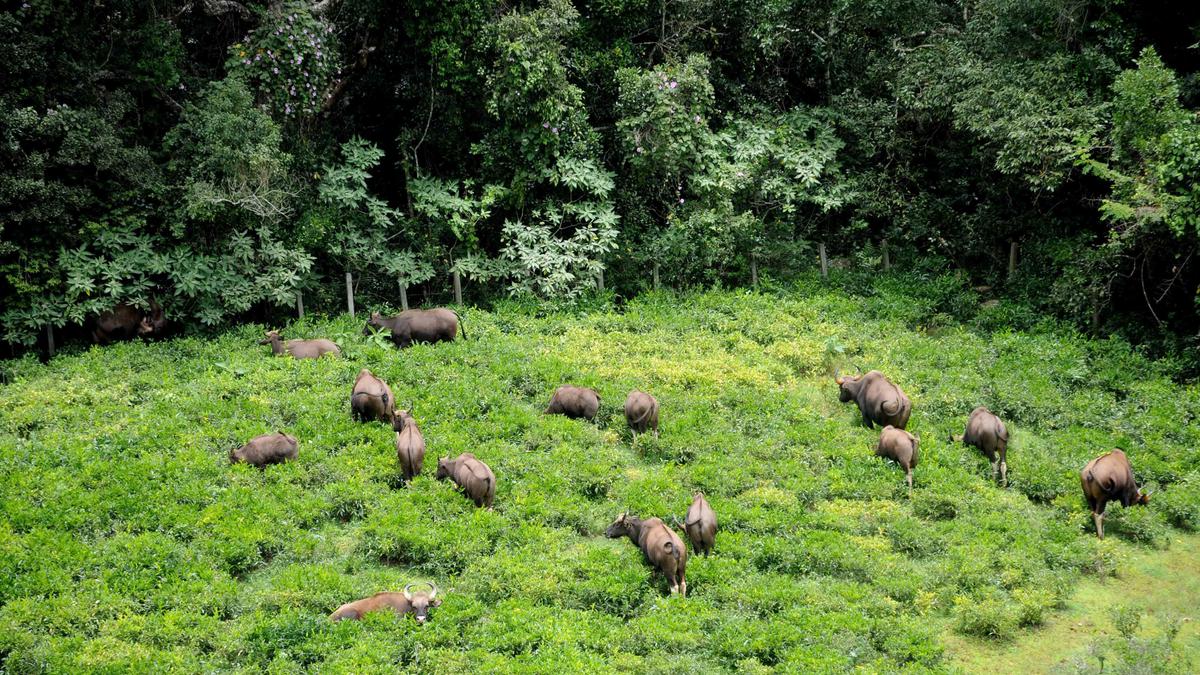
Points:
x=407 y=602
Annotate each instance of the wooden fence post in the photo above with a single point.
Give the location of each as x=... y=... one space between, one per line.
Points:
x=600 y=281
x=824 y=261
x=403 y=297
x=753 y=269
x=350 y=293
x=300 y=304
x=656 y=276
x=1012 y=259
x=457 y=287
x=50 y=339
x=887 y=259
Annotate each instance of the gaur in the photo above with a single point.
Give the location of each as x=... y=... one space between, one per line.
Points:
x=371 y=398
x=901 y=446
x=986 y=432
x=300 y=349
x=125 y=322
x=700 y=524
x=408 y=602
x=472 y=476
x=641 y=412
x=418 y=325
x=574 y=402
x=266 y=449
x=1108 y=478
x=662 y=547
x=410 y=445
x=880 y=401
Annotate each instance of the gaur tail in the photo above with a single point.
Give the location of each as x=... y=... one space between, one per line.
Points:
x=893 y=409
x=669 y=547
x=645 y=415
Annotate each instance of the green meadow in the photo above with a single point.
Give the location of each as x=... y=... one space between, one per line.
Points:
x=128 y=543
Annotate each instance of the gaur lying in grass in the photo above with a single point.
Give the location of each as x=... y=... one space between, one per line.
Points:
x=266 y=449
x=299 y=349
x=408 y=602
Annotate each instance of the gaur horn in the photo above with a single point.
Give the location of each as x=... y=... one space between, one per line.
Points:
x=432 y=590
x=407 y=592
x=837 y=376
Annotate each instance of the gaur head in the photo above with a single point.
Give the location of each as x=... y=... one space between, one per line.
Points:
x=443 y=470
x=373 y=323
x=145 y=327
x=845 y=395
x=272 y=335
x=235 y=455
x=420 y=602
x=619 y=527
x=400 y=418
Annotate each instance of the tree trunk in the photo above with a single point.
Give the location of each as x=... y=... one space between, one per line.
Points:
x=656 y=276
x=350 y=293
x=753 y=269
x=50 y=339
x=1012 y=259
x=824 y=261
x=403 y=297
x=600 y=281
x=887 y=259
x=457 y=279
x=300 y=304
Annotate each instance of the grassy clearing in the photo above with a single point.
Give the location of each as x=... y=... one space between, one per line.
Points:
x=129 y=542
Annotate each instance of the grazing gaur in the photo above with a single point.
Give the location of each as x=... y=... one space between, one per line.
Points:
x=418 y=325
x=901 y=446
x=410 y=445
x=661 y=546
x=700 y=524
x=125 y=322
x=986 y=432
x=300 y=349
x=880 y=401
x=472 y=476
x=266 y=449
x=408 y=602
x=641 y=412
x=574 y=402
x=1107 y=478
x=371 y=398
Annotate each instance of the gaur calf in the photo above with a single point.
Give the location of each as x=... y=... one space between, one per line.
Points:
x=641 y=412
x=661 y=546
x=300 y=349
x=574 y=402
x=986 y=432
x=879 y=401
x=700 y=524
x=418 y=325
x=901 y=446
x=125 y=322
x=266 y=449
x=1107 y=478
x=472 y=476
x=408 y=602
x=410 y=445
x=371 y=398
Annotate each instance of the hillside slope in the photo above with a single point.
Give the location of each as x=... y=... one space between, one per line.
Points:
x=128 y=542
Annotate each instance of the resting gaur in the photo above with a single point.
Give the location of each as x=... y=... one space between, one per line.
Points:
x=266 y=449
x=471 y=475
x=371 y=398
x=661 y=546
x=408 y=602
x=986 y=432
x=574 y=402
x=125 y=322
x=299 y=349
x=899 y=445
x=418 y=325
x=1107 y=478
x=879 y=401
x=641 y=412
x=410 y=444
x=700 y=524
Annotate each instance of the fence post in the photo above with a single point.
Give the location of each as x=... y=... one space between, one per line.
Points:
x=50 y=339
x=600 y=281
x=753 y=269
x=300 y=304
x=1012 y=259
x=824 y=261
x=887 y=259
x=403 y=297
x=457 y=287
x=350 y=293
x=656 y=276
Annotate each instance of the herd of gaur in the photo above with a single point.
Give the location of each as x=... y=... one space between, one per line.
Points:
x=1106 y=478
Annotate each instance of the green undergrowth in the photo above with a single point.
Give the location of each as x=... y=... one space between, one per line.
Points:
x=127 y=541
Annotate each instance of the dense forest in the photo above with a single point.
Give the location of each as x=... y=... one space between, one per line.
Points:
x=221 y=157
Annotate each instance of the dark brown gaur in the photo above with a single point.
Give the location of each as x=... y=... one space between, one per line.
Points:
x=1107 y=478
x=661 y=546
x=408 y=602
x=418 y=325
x=410 y=445
x=986 y=432
x=300 y=349
x=901 y=446
x=371 y=398
x=641 y=412
x=266 y=449
x=700 y=524
x=472 y=476
x=574 y=402
x=879 y=401
x=125 y=322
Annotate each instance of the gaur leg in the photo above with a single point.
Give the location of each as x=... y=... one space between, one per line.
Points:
x=908 y=477
x=1098 y=518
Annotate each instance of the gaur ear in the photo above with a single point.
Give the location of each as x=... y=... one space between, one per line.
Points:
x=435 y=602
